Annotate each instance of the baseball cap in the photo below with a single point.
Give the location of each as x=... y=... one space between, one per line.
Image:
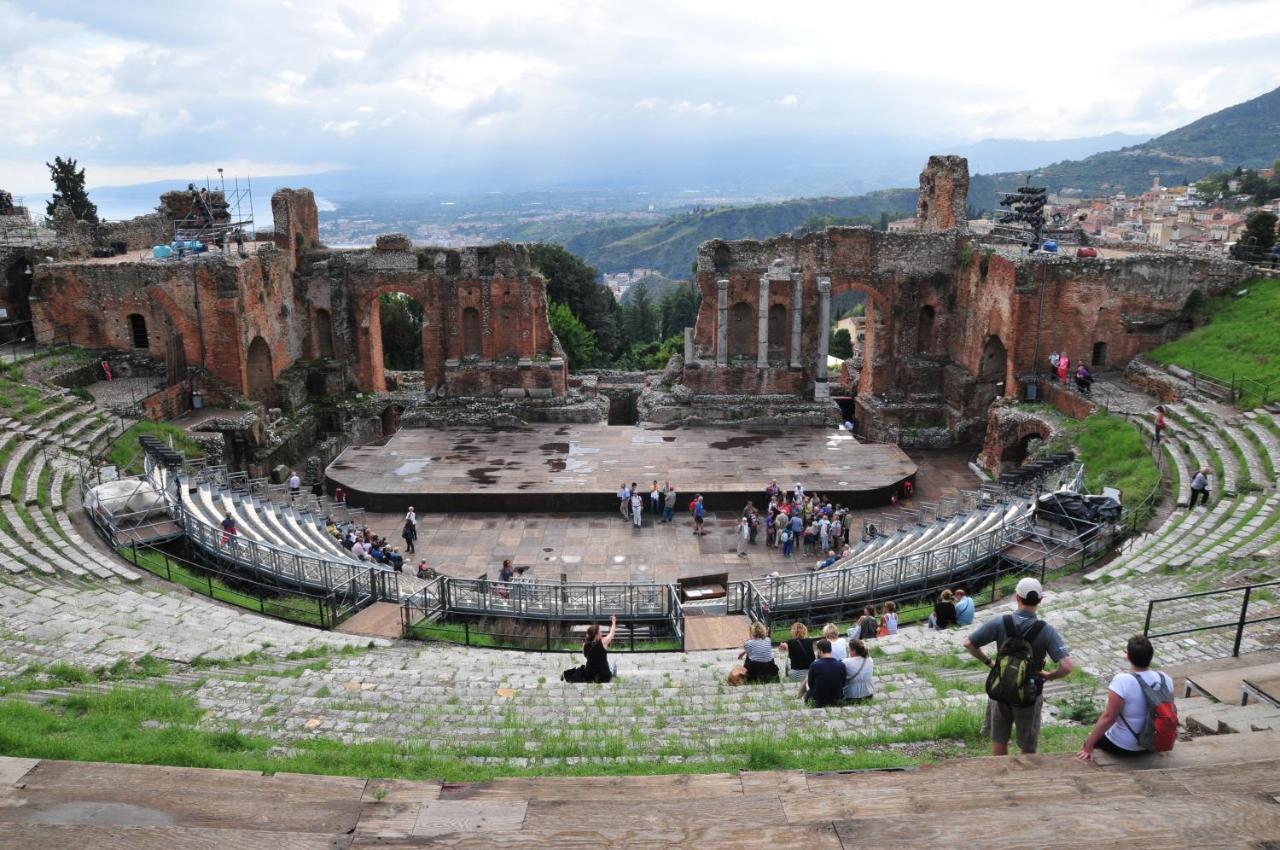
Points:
x=1029 y=590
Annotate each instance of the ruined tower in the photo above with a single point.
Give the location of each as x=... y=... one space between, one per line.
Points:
x=944 y=191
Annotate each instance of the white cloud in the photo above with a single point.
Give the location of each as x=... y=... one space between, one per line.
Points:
x=105 y=82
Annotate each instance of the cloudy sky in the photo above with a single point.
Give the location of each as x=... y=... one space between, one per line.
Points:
x=143 y=91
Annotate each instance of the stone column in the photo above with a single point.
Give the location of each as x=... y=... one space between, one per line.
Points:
x=762 y=326
x=820 y=389
x=722 y=322
x=797 y=307
x=688 y=346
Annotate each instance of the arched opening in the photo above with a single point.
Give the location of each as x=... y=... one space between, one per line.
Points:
x=1099 y=359
x=261 y=378
x=1016 y=453
x=994 y=359
x=15 y=298
x=400 y=324
x=138 y=331
x=472 y=337
x=508 y=332
x=779 y=334
x=324 y=333
x=742 y=334
x=391 y=419
x=924 y=329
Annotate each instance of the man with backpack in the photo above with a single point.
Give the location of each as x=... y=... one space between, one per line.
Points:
x=1016 y=681
x=1140 y=716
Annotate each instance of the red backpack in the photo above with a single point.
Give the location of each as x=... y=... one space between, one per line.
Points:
x=1160 y=730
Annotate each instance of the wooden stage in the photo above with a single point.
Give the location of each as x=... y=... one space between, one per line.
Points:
x=1214 y=791
x=553 y=468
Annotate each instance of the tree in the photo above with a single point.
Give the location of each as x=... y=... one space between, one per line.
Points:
x=578 y=342
x=1258 y=237
x=840 y=345
x=573 y=283
x=640 y=319
x=679 y=309
x=400 y=319
x=68 y=189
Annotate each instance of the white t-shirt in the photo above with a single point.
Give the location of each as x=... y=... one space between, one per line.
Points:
x=840 y=649
x=1134 y=712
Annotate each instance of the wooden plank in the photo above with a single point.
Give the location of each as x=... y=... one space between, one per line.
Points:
x=381 y=619
x=26 y=836
x=1266 y=686
x=624 y=818
x=1180 y=672
x=444 y=817
x=1213 y=749
x=774 y=781
x=401 y=791
x=727 y=632
x=689 y=786
x=583 y=834
x=1224 y=685
x=1196 y=821
x=13 y=769
x=190 y=797
x=380 y=822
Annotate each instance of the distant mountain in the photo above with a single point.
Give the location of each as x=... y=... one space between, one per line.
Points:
x=1247 y=134
x=671 y=246
x=655 y=286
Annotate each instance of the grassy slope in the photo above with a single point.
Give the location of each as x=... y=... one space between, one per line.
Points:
x=126 y=454
x=1242 y=339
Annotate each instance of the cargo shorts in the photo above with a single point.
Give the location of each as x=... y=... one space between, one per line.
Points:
x=1002 y=717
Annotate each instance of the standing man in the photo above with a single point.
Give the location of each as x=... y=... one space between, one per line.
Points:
x=409 y=532
x=1199 y=488
x=624 y=500
x=1011 y=633
x=1159 y=423
x=295 y=485
x=964 y=608
x=655 y=498
x=637 y=506
x=744 y=534
x=699 y=515
x=668 y=503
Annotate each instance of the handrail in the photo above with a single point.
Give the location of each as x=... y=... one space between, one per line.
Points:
x=1239 y=623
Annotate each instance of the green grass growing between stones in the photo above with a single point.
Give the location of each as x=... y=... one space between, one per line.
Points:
x=1240 y=341
x=158 y=725
x=126 y=454
x=20 y=399
x=297 y=609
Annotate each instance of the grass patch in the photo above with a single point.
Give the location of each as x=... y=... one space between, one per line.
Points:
x=285 y=606
x=476 y=635
x=125 y=453
x=1239 y=342
x=159 y=725
x=19 y=398
x=60 y=674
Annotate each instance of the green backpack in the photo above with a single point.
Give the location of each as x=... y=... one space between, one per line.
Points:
x=1011 y=679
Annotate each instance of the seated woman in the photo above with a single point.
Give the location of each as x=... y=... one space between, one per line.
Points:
x=858 y=668
x=889 y=618
x=1116 y=731
x=596 y=649
x=866 y=627
x=799 y=652
x=944 y=611
x=758 y=652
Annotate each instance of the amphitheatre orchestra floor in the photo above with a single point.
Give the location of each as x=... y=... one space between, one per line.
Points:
x=580 y=467
x=601 y=546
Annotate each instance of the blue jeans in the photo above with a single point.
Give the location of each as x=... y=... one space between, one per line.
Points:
x=666 y=513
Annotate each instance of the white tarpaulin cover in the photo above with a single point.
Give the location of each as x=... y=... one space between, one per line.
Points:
x=132 y=497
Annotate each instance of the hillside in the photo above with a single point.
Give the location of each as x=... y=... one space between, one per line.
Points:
x=671 y=246
x=1247 y=134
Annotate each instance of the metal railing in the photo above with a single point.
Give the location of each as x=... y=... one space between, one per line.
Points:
x=1247 y=594
x=541 y=616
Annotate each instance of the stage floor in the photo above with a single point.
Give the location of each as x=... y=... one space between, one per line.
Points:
x=580 y=467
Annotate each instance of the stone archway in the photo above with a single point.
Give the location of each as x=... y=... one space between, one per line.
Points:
x=260 y=379
x=779 y=334
x=742 y=331
x=472 y=333
x=995 y=361
x=925 y=331
x=15 y=298
x=324 y=333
